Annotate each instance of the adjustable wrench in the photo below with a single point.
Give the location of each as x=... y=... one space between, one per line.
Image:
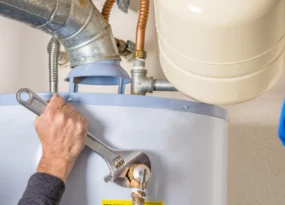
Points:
x=118 y=161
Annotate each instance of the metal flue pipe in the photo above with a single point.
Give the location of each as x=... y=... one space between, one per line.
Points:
x=78 y=25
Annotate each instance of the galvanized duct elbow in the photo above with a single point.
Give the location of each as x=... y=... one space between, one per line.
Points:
x=78 y=25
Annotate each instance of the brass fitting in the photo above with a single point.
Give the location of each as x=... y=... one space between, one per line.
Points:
x=134 y=175
x=63 y=59
x=138 y=198
x=140 y=174
x=139 y=54
x=126 y=49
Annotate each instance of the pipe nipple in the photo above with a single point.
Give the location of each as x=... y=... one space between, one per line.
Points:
x=139 y=54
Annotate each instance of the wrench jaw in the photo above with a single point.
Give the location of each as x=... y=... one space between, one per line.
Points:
x=121 y=176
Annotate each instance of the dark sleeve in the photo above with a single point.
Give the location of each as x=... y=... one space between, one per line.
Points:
x=43 y=189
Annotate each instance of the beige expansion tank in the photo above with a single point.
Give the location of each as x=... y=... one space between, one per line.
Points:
x=221 y=51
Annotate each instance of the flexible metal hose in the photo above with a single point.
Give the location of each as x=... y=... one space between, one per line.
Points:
x=107 y=8
x=53 y=51
x=142 y=23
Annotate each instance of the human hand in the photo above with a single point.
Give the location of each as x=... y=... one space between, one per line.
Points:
x=63 y=134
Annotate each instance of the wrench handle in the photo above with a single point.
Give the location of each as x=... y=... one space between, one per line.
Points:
x=37 y=105
x=31 y=101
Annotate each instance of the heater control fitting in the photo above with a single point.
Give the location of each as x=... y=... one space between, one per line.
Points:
x=141 y=84
x=139 y=175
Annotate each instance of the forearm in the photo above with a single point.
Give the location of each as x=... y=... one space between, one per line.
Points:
x=43 y=189
x=63 y=133
x=55 y=166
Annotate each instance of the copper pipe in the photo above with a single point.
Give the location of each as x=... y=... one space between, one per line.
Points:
x=141 y=27
x=107 y=8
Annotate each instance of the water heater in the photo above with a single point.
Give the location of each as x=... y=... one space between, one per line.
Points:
x=185 y=141
x=221 y=52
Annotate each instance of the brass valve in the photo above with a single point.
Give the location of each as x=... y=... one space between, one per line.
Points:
x=139 y=176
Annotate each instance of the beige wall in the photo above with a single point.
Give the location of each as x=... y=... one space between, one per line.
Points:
x=256 y=157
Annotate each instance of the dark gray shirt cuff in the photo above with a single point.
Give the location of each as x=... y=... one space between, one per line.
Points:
x=43 y=189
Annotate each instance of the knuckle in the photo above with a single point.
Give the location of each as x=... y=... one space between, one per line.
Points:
x=53 y=102
x=49 y=112
x=56 y=102
x=71 y=121
x=77 y=112
x=61 y=98
x=60 y=117
x=84 y=120
x=54 y=97
x=80 y=126
x=61 y=101
x=68 y=106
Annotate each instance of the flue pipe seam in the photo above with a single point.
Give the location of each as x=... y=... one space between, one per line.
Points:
x=65 y=19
